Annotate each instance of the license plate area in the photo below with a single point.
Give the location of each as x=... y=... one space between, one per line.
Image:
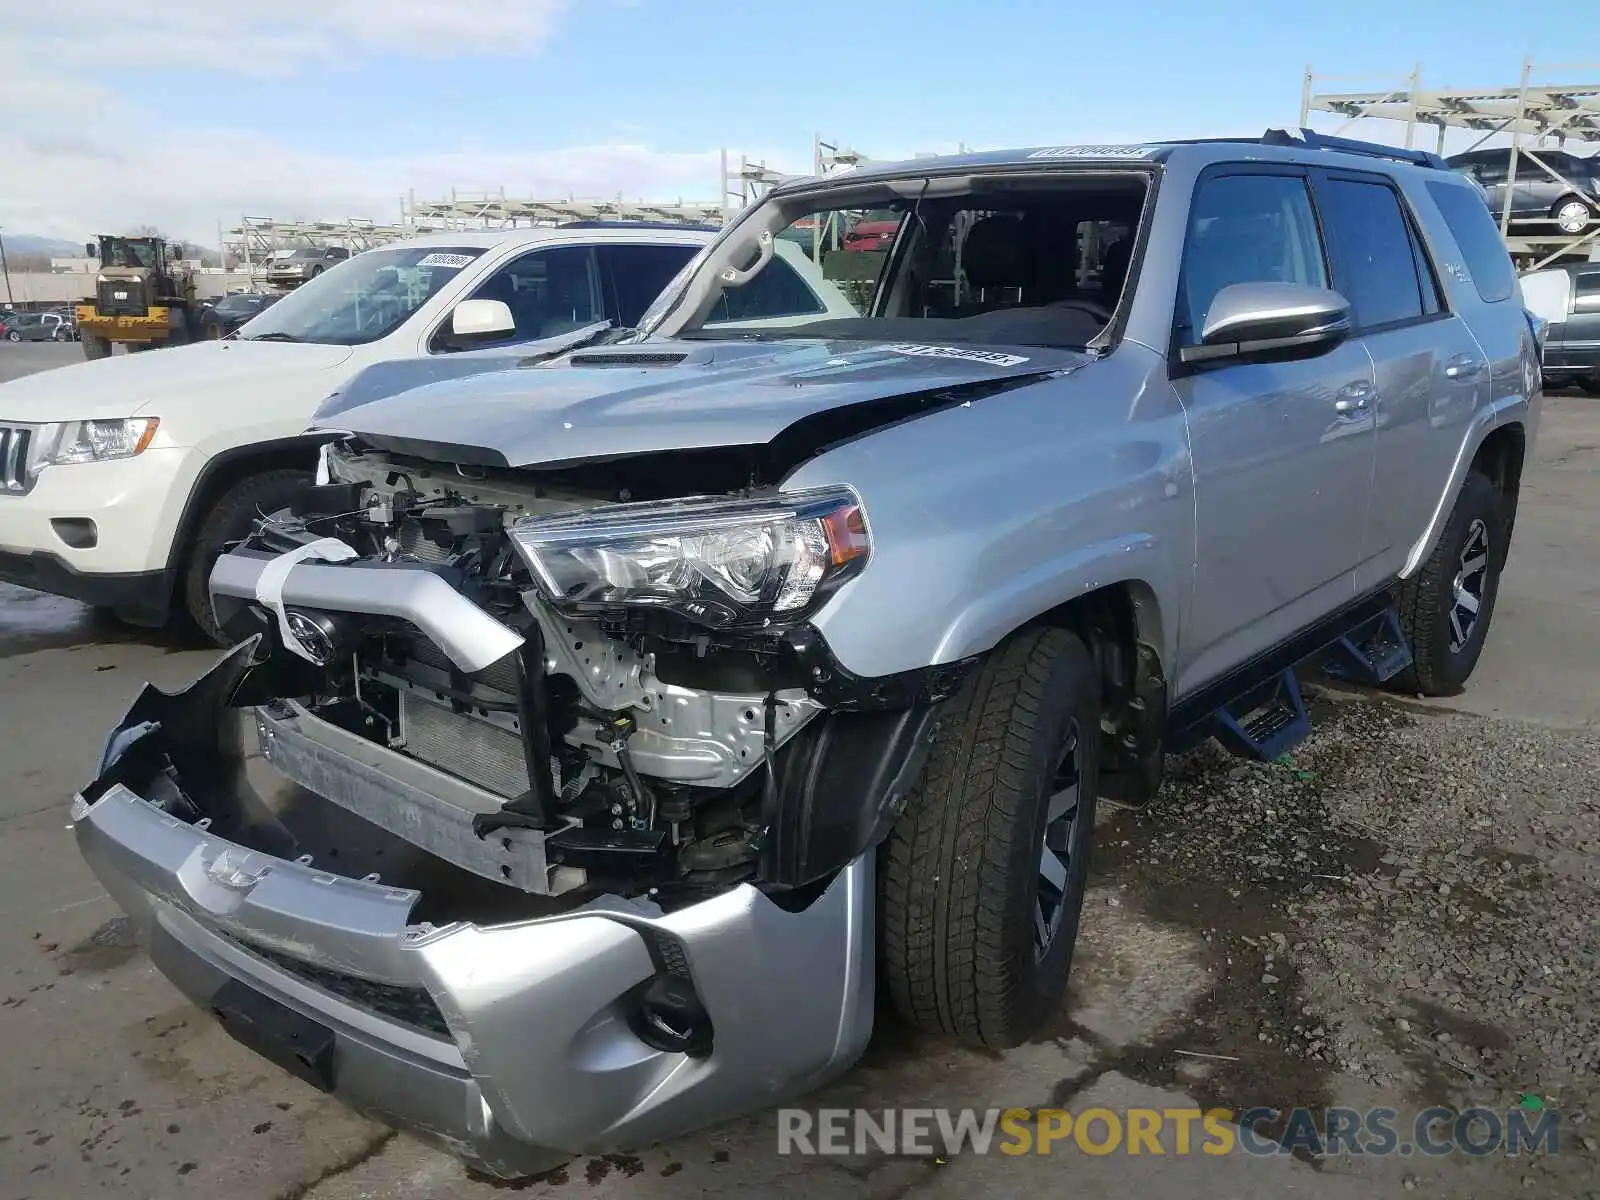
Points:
x=275 y=1031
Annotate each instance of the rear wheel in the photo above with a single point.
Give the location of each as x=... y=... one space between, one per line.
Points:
x=13 y=335
x=984 y=873
x=95 y=346
x=232 y=518
x=1446 y=607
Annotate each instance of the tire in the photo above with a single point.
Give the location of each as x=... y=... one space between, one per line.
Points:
x=1589 y=384
x=315 y=271
x=961 y=884
x=94 y=346
x=13 y=335
x=232 y=517
x=1571 y=214
x=1432 y=615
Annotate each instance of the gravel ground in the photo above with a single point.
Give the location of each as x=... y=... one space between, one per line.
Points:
x=1407 y=909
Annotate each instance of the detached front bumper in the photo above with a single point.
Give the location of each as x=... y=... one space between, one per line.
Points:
x=511 y=1045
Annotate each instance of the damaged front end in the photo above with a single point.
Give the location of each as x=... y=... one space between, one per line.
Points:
x=529 y=814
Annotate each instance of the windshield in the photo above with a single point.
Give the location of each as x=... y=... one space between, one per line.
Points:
x=363 y=298
x=1037 y=259
x=120 y=252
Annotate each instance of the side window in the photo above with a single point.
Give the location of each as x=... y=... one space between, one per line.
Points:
x=1246 y=229
x=1375 y=248
x=1586 y=292
x=776 y=291
x=635 y=275
x=549 y=292
x=1475 y=231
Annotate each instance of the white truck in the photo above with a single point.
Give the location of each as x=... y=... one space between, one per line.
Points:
x=121 y=480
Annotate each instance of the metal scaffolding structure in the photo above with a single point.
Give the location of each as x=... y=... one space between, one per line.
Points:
x=485 y=210
x=250 y=243
x=1532 y=112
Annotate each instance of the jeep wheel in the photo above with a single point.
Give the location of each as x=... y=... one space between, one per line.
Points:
x=1445 y=609
x=984 y=873
x=232 y=517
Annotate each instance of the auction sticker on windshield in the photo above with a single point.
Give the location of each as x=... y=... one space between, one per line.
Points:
x=993 y=357
x=445 y=260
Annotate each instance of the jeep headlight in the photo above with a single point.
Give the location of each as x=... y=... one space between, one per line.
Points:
x=717 y=562
x=64 y=442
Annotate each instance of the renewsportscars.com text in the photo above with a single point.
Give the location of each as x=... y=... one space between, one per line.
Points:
x=1433 y=1132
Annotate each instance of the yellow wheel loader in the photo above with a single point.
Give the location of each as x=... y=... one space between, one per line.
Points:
x=143 y=296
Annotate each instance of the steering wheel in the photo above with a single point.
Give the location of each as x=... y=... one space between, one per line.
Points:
x=1095 y=309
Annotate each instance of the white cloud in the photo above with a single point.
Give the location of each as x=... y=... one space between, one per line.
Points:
x=280 y=37
x=110 y=159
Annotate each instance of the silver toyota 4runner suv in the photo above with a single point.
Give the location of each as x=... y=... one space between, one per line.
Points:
x=602 y=732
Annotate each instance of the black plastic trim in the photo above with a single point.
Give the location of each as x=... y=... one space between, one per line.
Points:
x=843 y=781
x=142 y=597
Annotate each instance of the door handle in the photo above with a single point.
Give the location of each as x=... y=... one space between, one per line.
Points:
x=1353 y=398
x=1464 y=367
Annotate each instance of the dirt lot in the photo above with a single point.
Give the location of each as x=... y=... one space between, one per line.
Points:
x=1403 y=915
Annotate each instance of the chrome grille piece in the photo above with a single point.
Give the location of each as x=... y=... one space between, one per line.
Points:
x=14 y=441
x=474 y=750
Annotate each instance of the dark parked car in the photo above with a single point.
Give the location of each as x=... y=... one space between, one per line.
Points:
x=1568 y=299
x=230 y=312
x=1537 y=196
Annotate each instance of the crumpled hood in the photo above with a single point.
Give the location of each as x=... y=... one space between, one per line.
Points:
x=613 y=401
x=155 y=381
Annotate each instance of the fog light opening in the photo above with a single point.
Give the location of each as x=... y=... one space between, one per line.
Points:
x=668 y=1016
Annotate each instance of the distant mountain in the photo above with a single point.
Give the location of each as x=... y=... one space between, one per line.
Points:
x=28 y=243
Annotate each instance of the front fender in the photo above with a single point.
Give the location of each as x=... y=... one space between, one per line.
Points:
x=1137 y=558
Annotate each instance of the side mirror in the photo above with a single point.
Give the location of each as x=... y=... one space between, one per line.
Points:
x=1256 y=321
x=481 y=321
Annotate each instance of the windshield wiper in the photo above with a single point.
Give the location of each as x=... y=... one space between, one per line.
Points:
x=271 y=337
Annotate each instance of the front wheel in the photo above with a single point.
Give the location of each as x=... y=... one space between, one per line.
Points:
x=94 y=346
x=984 y=873
x=13 y=335
x=232 y=519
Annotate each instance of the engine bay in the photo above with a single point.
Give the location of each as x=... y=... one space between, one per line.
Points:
x=652 y=752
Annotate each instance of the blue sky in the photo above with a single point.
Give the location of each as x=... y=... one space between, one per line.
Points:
x=324 y=108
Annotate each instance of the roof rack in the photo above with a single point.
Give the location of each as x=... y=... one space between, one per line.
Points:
x=1312 y=140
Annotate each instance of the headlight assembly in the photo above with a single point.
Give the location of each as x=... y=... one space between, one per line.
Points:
x=718 y=562
x=61 y=443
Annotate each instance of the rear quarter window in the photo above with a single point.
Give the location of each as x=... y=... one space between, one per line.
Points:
x=1472 y=226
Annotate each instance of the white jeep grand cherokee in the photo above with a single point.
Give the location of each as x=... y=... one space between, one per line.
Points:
x=122 y=479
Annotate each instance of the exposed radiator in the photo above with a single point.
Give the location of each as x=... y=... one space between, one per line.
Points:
x=473 y=749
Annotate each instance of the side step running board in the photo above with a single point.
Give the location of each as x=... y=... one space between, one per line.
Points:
x=1268 y=723
x=1259 y=712
x=1373 y=652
